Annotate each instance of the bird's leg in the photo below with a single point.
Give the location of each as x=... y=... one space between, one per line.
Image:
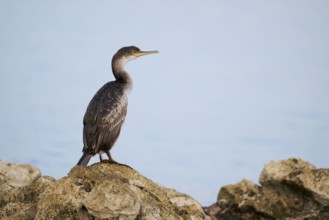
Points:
x=111 y=160
x=100 y=157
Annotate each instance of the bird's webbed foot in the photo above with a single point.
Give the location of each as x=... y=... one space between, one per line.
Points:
x=111 y=160
x=115 y=162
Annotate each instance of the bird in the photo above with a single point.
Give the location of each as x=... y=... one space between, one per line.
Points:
x=107 y=110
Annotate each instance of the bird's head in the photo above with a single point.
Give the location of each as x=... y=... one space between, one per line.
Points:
x=126 y=54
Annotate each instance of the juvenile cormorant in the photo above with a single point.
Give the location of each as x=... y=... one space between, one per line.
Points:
x=107 y=110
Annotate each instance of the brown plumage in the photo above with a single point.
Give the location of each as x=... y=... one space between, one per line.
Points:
x=107 y=110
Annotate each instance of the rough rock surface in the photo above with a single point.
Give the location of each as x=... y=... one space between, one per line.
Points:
x=290 y=189
x=17 y=175
x=101 y=191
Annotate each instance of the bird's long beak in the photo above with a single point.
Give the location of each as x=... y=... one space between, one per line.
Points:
x=142 y=53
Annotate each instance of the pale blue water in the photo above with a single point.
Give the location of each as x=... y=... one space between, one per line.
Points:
x=235 y=85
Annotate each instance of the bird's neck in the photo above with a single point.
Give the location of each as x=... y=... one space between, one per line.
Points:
x=121 y=75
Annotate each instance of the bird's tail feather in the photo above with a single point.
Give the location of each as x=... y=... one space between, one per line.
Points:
x=84 y=159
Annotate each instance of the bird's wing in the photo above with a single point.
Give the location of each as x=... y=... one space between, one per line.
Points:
x=106 y=112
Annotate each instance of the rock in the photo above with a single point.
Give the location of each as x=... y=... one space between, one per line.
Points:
x=186 y=204
x=21 y=202
x=290 y=189
x=298 y=175
x=100 y=191
x=17 y=175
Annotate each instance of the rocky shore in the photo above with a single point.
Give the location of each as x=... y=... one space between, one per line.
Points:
x=289 y=189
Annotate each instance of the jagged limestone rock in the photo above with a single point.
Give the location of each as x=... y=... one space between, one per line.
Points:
x=101 y=191
x=298 y=175
x=21 y=202
x=290 y=189
x=186 y=204
x=17 y=175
